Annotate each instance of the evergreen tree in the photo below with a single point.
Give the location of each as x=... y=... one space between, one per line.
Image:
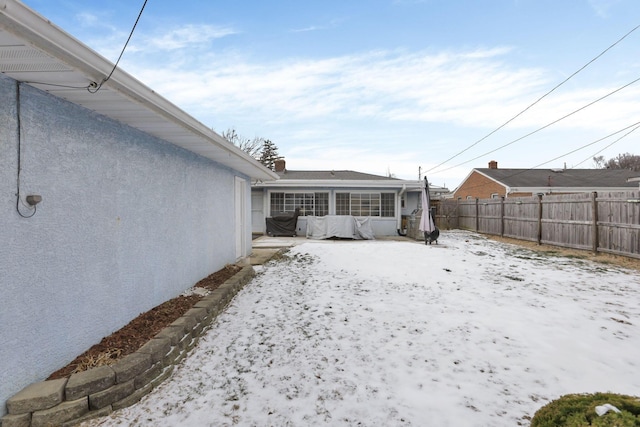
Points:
x=269 y=154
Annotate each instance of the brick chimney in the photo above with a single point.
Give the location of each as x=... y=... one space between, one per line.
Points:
x=280 y=165
x=493 y=164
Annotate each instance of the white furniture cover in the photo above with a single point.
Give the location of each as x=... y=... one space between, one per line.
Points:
x=340 y=226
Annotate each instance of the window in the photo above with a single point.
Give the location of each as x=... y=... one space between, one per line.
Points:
x=366 y=204
x=309 y=203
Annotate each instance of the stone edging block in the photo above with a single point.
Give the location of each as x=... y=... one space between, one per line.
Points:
x=99 y=391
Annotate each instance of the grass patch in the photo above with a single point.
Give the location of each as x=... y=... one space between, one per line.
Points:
x=579 y=410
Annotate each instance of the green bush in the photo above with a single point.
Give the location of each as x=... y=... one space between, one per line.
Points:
x=579 y=410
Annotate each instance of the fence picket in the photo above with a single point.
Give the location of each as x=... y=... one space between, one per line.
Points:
x=601 y=222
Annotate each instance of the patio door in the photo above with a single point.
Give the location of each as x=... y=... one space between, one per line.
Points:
x=240 y=193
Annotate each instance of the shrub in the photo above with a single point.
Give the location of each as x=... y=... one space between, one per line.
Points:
x=579 y=410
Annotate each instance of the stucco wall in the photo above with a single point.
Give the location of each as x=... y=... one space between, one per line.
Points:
x=127 y=221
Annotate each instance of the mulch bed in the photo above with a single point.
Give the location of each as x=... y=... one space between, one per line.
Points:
x=141 y=329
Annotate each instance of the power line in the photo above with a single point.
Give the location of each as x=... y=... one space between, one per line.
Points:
x=545 y=126
x=95 y=87
x=607 y=146
x=535 y=102
x=635 y=126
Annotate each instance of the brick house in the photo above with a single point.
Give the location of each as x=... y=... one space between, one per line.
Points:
x=485 y=183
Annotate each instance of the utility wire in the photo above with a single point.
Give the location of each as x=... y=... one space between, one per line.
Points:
x=545 y=126
x=95 y=87
x=607 y=146
x=534 y=103
x=635 y=126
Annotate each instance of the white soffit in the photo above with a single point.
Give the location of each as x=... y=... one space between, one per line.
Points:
x=34 y=51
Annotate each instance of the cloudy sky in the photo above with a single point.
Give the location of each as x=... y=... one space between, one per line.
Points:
x=388 y=86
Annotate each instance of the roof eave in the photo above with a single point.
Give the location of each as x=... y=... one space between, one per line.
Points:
x=545 y=190
x=41 y=34
x=339 y=183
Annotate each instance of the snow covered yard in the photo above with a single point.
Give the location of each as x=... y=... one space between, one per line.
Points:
x=377 y=333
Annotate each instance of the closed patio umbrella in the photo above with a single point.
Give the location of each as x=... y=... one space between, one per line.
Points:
x=427 y=225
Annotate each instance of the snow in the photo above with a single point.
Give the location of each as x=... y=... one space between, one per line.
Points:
x=469 y=332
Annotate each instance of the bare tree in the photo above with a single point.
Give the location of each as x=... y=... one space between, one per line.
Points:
x=252 y=147
x=599 y=162
x=622 y=161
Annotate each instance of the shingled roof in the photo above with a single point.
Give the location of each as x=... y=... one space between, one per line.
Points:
x=574 y=178
x=332 y=175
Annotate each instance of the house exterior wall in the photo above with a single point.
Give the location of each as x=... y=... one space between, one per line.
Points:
x=126 y=222
x=478 y=186
x=381 y=226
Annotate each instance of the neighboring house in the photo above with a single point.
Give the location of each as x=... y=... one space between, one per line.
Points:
x=387 y=201
x=485 y=183
x=139 y=201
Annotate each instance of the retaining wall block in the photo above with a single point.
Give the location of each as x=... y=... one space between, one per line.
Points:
x=131 y=366
x=147 y=376
x=133 y=397
x=112 y=394
x=88 y=382
x=208 y=303
x=157 y=348
x=107 y=410
x=198 y=313
x=184 y=342
x=37 y=396
x=164 y=374
x=173 y=333
x=20 y=420
x=66 y=411
x=172 y=356
x=187 y=323
x=102 y=390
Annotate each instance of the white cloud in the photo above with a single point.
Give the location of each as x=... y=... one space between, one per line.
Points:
x=469 y=88
x=601 y=7
x=186 y=36
x=392 y=109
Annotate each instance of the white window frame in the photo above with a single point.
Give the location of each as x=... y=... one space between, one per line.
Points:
x=304 y=209
x=366 y=207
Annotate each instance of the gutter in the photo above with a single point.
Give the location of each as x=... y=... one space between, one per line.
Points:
x=41 y=34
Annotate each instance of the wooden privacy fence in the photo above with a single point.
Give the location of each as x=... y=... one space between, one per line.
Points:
x=600 y=222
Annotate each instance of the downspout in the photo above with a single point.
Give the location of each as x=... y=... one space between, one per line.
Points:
x=399 y=210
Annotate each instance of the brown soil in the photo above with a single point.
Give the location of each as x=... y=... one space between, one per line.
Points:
x=618 y=260
x=141 y=329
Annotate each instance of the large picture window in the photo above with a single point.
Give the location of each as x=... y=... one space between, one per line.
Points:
x=310 y=204
x=366 y=204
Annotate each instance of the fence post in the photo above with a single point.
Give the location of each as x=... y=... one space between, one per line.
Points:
x=594 y=218
x=501 y=216
x=539 y=218
x=477 y=216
